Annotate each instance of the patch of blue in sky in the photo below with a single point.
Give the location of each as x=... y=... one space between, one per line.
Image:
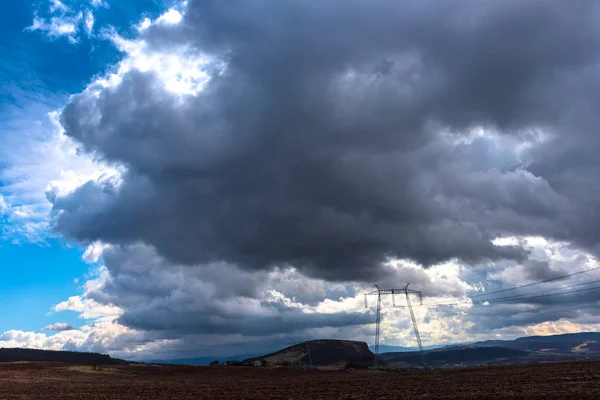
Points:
x=37 y=72
x=33 y=278
x=31 y=63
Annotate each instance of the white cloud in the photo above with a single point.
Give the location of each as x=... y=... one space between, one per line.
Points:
x=171 y=17
x=39 y=162
x=3 y=205
x=506 y=241
x=145 y=24
x=64 y=21
x=56 y=27
x=181 y=70
x=99 y=3
x=102 y=336
x=88 y=309
x=57 y=5
x=93 y=252
x=89 y=22
x=558 y=256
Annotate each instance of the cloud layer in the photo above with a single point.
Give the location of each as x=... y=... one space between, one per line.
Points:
x=278 y=157
x=314 y=150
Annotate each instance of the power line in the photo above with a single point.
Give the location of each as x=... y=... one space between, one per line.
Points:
x=529 y=297
x=525 y=294
x=351 y=320
x=520 y=287
x=521 y=297
x=558 y=294
x=548 y=290
x=359 y=332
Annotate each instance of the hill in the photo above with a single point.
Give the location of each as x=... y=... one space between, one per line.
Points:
x=458 y=356
x=583 y=342
x=319 y=353
x=529 y=349
x=73 y=357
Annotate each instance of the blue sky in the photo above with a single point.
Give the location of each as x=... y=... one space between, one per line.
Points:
x=34 y=277
x=37 y=74
x=33 y=62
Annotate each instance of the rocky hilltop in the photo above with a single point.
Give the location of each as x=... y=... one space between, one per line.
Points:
x=319 y=353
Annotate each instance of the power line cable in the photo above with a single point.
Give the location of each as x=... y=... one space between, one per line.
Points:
x=520 y=297
x=552 y=294
x=526 y=294
x=345 y=326
x=521 y=286
x=549 y=290
x=359 y=332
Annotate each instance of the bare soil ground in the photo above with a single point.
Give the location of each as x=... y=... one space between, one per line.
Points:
x=60 y=381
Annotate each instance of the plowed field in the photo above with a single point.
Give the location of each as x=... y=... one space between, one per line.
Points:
x=60 y=381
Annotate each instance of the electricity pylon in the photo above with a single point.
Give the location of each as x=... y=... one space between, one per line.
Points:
x=393 y=292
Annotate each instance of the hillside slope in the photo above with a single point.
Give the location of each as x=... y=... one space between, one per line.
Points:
x=565 y=347
x=452 y=356
x=322 y=353
x=566 y=343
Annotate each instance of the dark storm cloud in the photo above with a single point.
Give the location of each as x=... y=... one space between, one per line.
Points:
x=537 y=270
x=209 y=321
x=213 y=299
x=312 y=147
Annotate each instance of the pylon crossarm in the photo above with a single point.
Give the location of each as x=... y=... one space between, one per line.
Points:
x=406 y=291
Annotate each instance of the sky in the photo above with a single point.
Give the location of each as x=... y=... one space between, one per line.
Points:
x=209 y=178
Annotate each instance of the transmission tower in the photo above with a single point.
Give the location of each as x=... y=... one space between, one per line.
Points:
x=393 y=292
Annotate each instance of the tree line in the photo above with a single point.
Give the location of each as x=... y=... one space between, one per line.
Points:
x=74 y=357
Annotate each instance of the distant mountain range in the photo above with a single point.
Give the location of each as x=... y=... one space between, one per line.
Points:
x=203 y=361
x=239 y=357
x=581 y=343
x=455 y=356
x=585 y=345
x=567 y=347
x=384 y=348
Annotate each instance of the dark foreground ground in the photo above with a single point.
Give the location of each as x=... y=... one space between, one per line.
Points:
x=60 y=381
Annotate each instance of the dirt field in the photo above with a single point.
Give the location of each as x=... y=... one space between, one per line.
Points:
x=59 y=381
